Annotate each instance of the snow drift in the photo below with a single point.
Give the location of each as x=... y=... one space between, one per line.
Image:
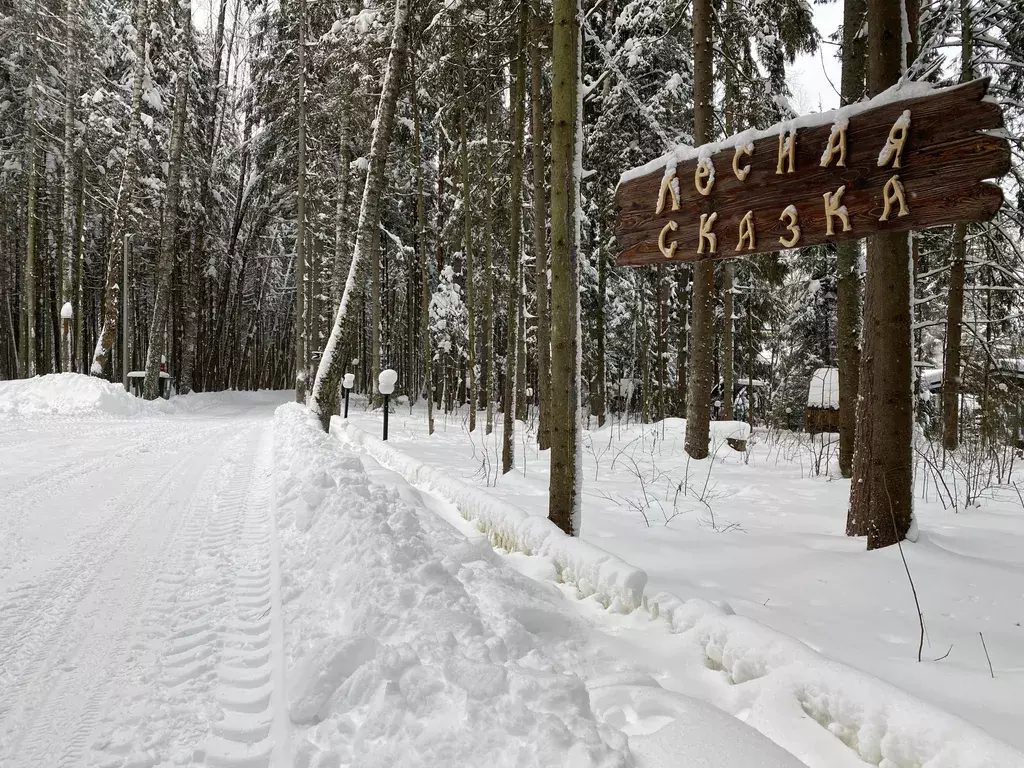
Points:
x=800 y=699
x=778 y=683
x=590 y=569
x=67 y=394
x=394 y=659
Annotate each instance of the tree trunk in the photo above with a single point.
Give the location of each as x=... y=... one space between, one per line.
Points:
x=421 y=238
x=698 y=407
x=891 y=415
x=79 y=258
x=601 y=388
x=300 y=221
x=108 y=333
x=728 y=340
x=165 y=266
x=29 y=276
x=848 y=259
x=540 y=246
x=955 y=302
x=682 y=351
x=563 y=504
x=325 y=388
x=515 y=245
x=67 y=249
x=487 y=389
x=860 y=488
x=467 y=241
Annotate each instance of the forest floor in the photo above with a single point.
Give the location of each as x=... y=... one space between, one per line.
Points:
x=763 y=533
x=214 y=581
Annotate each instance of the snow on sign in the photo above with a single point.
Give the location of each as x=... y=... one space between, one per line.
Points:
x=911 y=158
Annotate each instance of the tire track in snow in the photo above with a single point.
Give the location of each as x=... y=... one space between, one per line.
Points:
x=28 y=493
x=209 y=691
x=78 y=632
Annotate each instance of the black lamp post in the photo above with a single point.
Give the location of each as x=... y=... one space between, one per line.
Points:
x=348 y=383
x=386 y=385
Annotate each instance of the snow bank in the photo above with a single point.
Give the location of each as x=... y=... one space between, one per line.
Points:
x=66 y=394
x=590 y=569
x=395 y=655
x=779 y=682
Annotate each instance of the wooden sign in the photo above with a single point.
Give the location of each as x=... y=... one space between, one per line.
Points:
x=880 y=166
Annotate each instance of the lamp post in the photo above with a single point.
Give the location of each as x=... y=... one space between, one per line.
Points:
x=348 y=383
x=386 y=385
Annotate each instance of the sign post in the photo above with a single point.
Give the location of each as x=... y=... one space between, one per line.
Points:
x=909 y=159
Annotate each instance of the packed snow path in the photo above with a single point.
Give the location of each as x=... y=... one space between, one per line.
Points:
x=139 y=623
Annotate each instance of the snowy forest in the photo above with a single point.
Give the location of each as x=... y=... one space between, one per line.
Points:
x=236 y=177
x=394 y=383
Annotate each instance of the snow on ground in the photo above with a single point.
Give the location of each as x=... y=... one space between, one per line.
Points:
x=412 y=643
x=135 y=600
x=202 y=582
x=763 y=535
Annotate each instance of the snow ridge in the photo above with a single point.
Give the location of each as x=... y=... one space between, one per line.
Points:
x=779 y=682
x=594 y=572
x=393 y=656
x=799 y=698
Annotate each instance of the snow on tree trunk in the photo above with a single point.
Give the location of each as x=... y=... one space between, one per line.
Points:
x=324 y=401
x=165 y=266
x=467 y=243
x=67 y=249
x=540 y=245
x=955 y=302
x=514 y=247
x=421 y=242
x=300 y=221
x=108 y=333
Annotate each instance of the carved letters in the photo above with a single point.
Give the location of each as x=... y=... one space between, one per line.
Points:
x=704 y=180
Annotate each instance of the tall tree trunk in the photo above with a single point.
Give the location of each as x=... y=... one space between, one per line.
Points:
x=79 y=258
x=67 y=249
x=563 y=501
x=955 y=302
x=421 y=243
x=860 y=488
x=698 y=406
x=300 y=221
x=891 y=470
x=728 y=340
x=375 y=315
x=682 y=349
x=601 y=388
x=540 y=240
x=467 y=242
x=165 y=265
x=29 y=276
x=515 y=243
x=487 y=389
x=108 y=333
x=848 y=261
x=325 y=387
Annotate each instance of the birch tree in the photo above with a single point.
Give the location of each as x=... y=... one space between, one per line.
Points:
x=325 y=387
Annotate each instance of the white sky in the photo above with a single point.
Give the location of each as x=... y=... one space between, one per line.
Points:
x=810 y=74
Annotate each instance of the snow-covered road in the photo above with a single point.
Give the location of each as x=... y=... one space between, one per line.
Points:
x=215 y=581
x=137 y=623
